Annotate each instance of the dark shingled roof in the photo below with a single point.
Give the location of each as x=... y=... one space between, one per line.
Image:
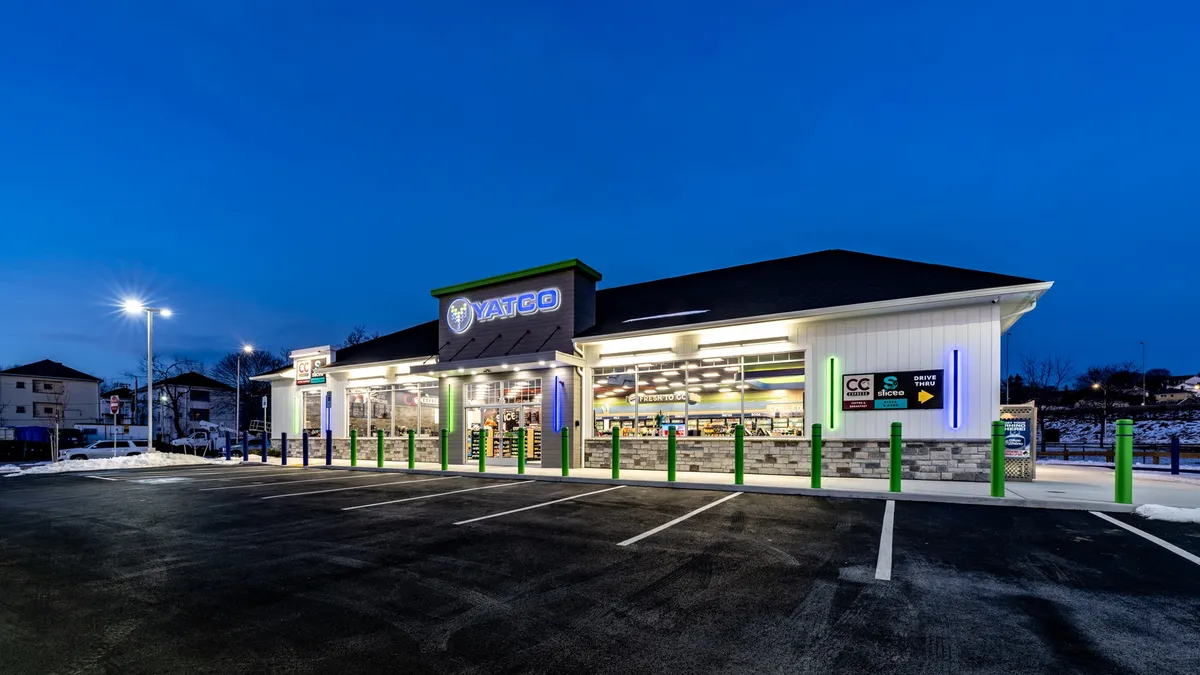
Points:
x=193 y=379
x=411 y=343
x=832 y=278
x=804 y=282
x=50 y=369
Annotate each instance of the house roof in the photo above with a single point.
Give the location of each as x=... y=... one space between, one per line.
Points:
x=832 y=278
x=194 y=380
x=573 y=263
x=121 y=392
x=51 y=369
x=416 y=342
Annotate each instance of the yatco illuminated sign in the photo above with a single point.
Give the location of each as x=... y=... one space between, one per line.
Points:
x=462 y=312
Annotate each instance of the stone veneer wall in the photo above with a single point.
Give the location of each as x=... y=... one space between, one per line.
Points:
x=967 y=460
x=395 y=449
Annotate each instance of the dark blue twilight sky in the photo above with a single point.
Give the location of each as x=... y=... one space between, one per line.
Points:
x=278 y=172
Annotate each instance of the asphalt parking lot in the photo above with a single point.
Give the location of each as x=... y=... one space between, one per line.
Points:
x=271 y=570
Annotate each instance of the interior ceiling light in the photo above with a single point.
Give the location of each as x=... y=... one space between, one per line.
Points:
x=710 y=373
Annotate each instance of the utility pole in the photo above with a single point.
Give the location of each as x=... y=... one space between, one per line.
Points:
x=1144 y=376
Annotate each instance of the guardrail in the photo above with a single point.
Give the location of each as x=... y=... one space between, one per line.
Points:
x=1144 y=453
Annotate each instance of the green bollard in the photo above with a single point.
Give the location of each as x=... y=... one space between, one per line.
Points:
x=379 y=448
x=482 y=449
x=354 y=447
x=739 y=454
x=997 y=459
x=1124 y=462
x=815 y=470
x=412 y=449
x=566 y=451
x=445 y=451
x=894 y=459
x=520 y=450
x=670 y=454
x=616 y=453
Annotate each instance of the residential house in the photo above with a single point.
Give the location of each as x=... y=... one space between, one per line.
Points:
x=125 y=409
x=1191 y=384
x=1173 y=396
x=47 y=393
x=183 y=401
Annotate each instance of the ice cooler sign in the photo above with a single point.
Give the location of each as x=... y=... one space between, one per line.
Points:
x=900 y=390
x=1016 y=437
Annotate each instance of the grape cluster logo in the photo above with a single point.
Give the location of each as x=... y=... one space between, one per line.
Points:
x=460 y=315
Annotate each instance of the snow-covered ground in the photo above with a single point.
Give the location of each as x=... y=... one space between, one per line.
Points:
x=1154 y=428
x=150 y=459
x=1168 y=513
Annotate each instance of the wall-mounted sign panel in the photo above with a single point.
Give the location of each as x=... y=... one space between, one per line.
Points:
x=462 y=313
x=1018 y=434
x=900 y=390
x=308 y=371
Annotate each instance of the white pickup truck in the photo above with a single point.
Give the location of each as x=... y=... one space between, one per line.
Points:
x=200 y=441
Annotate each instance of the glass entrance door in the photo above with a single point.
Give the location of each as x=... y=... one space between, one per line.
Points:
x=477 y=419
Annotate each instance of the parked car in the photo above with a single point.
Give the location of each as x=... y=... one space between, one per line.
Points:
x=106 y=450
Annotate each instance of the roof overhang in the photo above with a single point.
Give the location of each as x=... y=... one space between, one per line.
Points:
x=1014 y=301
x=533 y=361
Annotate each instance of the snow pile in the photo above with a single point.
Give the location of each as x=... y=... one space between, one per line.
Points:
x=9 y=468
x=1155 y=427
x=1168 y=513
x=150 y=459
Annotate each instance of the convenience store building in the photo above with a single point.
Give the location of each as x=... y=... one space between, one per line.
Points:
x=848 y=340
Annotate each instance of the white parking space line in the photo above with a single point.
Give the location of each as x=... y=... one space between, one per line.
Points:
x=98 y=477
x=680 y=519
x=357 y=487
x=538 y=506
x=248 y=474
x=438 y=494
x=1149 y=537
x=883 y=567
x=356 y=474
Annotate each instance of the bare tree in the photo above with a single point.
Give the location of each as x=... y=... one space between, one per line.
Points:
x=1050 y=373
x=255 y=363
x=171 y=398
x=357 y=336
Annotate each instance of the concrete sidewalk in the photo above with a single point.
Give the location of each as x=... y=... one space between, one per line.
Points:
x=1057 y=486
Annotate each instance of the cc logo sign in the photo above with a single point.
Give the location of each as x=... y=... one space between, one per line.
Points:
x=860 y=384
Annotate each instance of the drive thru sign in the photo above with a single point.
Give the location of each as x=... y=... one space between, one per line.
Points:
x=114 y=404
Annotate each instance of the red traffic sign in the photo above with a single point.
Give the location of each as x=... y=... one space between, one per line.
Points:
x=114 y=404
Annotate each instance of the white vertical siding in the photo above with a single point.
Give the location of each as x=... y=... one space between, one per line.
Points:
x=282 y=394
x=909 y=341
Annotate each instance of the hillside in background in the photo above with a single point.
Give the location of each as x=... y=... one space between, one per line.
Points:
x=1149 y=427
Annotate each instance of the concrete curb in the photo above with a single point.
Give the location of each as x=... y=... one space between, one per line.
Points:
x=830 y=493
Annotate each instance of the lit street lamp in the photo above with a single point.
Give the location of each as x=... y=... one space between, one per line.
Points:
x=246 y=349
x=136 y=307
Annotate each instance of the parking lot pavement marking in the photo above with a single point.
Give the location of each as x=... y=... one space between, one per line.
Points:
x=680 y=519
x=883 y=567
x=357 y=487
x=1149 y=537
x=538 y=506
x=250 y=474
x=438 y=494
x=98 y=477
x=355 y=474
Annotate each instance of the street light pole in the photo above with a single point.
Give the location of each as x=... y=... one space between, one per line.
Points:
x=237 y=422
x=136 y=307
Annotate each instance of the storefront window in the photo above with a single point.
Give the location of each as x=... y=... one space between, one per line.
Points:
x=380 y=413
x=707 y=396
x=357 y=413
x=312 y=413
x=416 y=408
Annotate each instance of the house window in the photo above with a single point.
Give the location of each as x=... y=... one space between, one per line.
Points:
x=199 y=396
x=20 y=385
x=200 y=414
x=20 y=408
x=48 y=387
x=46 y=410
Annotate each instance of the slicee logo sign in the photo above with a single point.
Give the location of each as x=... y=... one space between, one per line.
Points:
x=910 y=389
x=308 y=371
x=463 y=313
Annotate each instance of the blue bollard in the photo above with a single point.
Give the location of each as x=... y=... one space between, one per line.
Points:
x=1174 y=455
x=228 y=448
x=328 y=448
x=283 y=447
x=304 y=446
x=266 y=442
